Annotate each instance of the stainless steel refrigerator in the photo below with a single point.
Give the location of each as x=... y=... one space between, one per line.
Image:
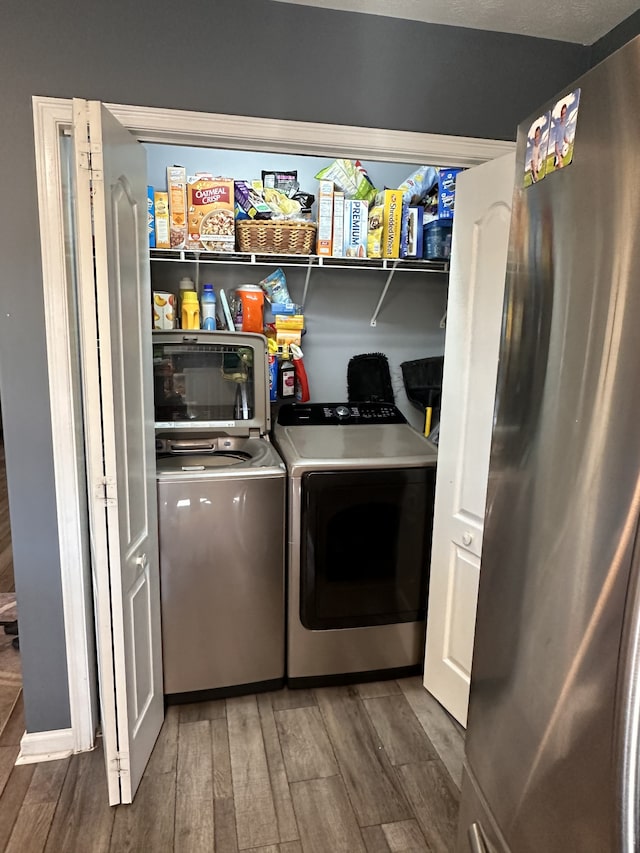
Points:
x=552 y=741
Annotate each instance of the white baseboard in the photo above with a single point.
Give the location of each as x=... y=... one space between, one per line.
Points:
x=45 y=746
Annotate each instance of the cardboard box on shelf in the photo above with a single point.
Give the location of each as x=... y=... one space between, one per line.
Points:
x=447 y=192
x=412 y=232
x=151 y=219
x=356 y=221
x=177 y=189
x=210 y=217
x=325 y=217
x=391 y=222
x=337 y=236
x=161 y=206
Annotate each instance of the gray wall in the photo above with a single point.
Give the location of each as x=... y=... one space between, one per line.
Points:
x=613 y=40
x=263 y=59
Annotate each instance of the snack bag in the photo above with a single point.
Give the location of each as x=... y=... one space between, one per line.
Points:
x=418 y=185
x=350 y=178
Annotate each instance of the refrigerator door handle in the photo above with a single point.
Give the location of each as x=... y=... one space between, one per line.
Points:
x=477 y=840
x=628 y=722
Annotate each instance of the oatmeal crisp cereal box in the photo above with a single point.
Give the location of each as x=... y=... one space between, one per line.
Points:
x=210 y=213
x=177 y=188
x=161 y=206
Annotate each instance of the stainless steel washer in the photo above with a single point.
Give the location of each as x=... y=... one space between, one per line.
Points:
x=221 y=495
x=361 y=488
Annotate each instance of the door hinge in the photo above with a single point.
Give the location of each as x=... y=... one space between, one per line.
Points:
x=105 y=490
x=120 y=763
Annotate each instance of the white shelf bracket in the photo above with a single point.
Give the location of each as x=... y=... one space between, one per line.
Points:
x=306 y=281
x=383 y=294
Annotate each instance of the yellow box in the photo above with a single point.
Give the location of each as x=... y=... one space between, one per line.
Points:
x=325 y=217
x=177 y=188
x=161 y=203
x=391 y=223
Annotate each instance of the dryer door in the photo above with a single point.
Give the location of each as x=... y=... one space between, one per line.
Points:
x=366 y=545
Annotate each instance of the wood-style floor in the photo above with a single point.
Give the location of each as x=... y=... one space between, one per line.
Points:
x=372 y=768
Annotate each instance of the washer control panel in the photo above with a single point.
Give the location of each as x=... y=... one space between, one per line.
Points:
x=339 y=414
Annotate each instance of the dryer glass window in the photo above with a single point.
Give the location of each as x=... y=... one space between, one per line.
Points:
x=366 y=547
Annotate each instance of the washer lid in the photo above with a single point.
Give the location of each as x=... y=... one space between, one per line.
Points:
x=251 y=455
x=211 y=381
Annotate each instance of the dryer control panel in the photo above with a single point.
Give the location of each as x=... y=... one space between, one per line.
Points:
x=339 y=414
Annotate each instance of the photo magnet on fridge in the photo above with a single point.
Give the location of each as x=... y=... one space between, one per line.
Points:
x=536 y=154
x=564 y=116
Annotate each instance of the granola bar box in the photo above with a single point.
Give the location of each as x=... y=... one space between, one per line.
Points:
x=210 y=204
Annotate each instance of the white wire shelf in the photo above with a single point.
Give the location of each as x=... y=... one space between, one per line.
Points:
x=313 y=261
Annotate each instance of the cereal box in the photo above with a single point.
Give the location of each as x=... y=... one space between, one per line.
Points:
x=151 y=221
x=412 y=232
x=177 y=188
x=356 y=216
x=447 y=192
x=391 y=223
x=337 y=238
x=161 y=205
x=211 y=205
x=325 y=217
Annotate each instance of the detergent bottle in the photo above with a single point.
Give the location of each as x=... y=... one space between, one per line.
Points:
x=301 y=380
x=190 y=310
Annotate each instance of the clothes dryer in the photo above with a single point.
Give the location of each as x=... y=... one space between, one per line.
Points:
x=360 y=514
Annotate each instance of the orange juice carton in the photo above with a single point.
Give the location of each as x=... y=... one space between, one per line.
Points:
x=325 y=217
x=356 y=227
x=164 y=310
x=337 y=238
x=210 y=213
x=161 y=206
x=177 y=189
x=391 y=200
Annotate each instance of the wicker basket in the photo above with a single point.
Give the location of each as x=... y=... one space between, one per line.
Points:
x=276 y=238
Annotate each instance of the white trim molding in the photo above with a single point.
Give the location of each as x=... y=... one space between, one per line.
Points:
x=53 y=118
x=212 y=130
x=46 y=746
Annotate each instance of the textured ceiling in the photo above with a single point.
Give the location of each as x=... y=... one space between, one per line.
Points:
x=581 y=21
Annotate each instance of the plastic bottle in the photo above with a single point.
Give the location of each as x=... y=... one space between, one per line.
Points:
x=286 y=379
x=186 y=285
x=190 y=310
x=208 y=302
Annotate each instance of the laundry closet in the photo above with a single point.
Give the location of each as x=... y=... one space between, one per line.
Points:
x=348 y=311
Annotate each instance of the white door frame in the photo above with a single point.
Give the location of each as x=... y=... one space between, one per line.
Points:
x=53 y=118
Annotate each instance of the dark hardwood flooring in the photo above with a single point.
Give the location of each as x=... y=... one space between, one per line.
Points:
x=372 y=768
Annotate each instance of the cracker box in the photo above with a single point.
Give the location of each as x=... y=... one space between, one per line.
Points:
x=391 y=222
x=447 y=192
x=151 y=221
x=161 y=209
x=338 y=224
x=325 y=217
x=412 y=232
x=177 y=189
x=356 y=227
x=211 y=213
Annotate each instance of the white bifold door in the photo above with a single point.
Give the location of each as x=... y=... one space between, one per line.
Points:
x=115 y=328
x=474 y=316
